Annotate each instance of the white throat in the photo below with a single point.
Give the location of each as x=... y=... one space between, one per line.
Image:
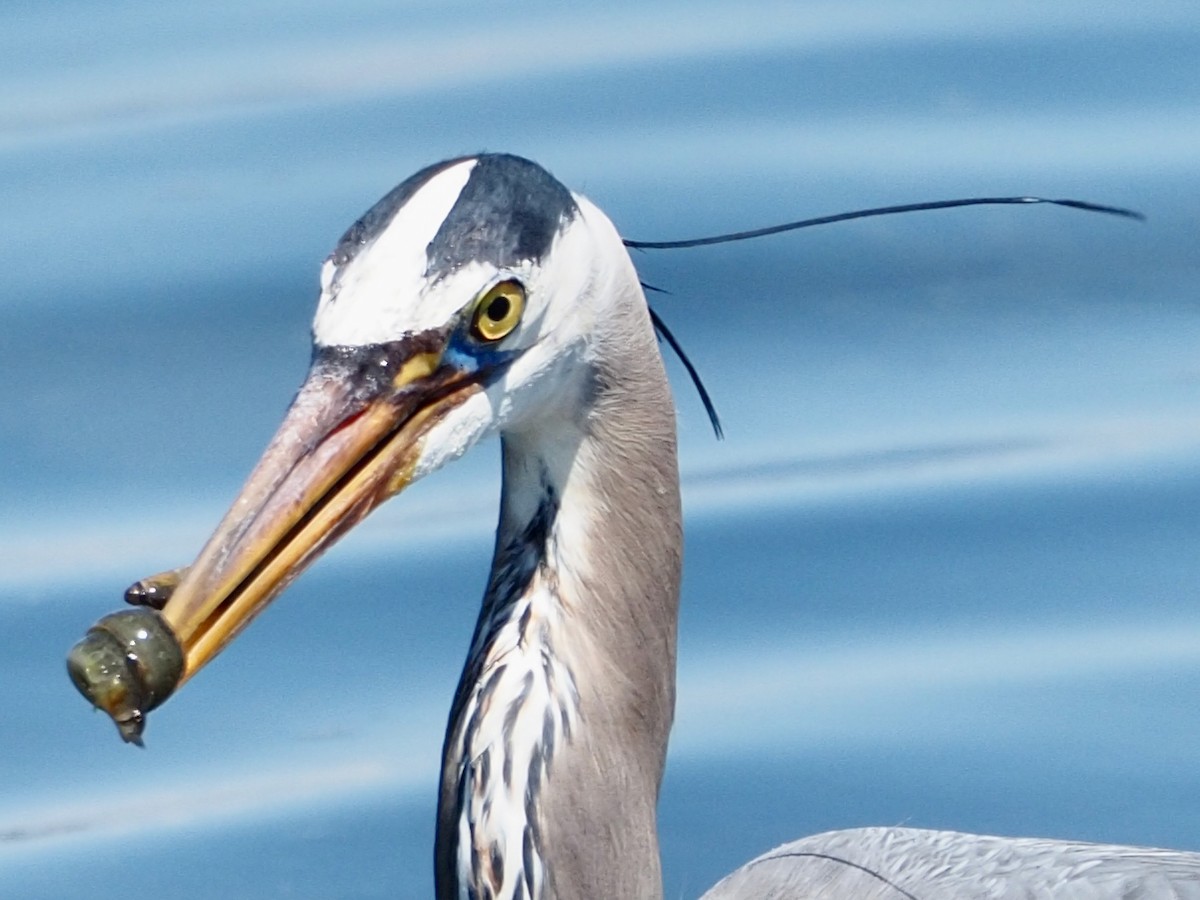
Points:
x=523 y=705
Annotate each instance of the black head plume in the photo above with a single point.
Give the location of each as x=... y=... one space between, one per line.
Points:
x=732 y=236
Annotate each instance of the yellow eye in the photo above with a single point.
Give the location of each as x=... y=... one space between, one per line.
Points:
x=498 y=311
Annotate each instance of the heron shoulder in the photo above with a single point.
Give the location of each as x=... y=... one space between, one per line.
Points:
x=918 y=864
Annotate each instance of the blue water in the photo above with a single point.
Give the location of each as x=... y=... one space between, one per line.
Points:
x=941 y=572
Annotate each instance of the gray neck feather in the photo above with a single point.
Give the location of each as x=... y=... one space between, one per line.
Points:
x=557 y=737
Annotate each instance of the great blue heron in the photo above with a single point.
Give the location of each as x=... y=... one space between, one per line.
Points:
x=479 y=297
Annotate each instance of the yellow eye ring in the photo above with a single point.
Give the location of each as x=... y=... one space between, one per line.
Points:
x=498 y=311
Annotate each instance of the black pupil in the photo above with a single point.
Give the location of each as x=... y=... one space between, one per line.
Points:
x=497 y=310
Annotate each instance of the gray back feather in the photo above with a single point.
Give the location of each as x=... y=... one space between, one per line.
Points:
x=913 y=864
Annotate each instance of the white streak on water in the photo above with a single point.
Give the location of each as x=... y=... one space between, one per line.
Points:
x=204 y=799
x=40 y=556
x=795 y=698
x=176 y=77
x=1043 y=144
x=1088 y=450
x=869 y=690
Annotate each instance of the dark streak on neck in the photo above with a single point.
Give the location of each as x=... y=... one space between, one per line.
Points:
x=516 y=565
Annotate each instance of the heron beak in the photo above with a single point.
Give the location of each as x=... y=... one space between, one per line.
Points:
x=350 y=440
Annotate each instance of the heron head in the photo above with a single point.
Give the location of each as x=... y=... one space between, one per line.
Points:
x=469 y=300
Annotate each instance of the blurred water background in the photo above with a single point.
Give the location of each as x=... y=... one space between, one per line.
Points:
x=941 y=572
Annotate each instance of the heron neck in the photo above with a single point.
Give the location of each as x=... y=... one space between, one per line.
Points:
x=557 y=737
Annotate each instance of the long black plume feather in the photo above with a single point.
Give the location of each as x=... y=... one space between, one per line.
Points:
x=878 y=211
x=665 y=333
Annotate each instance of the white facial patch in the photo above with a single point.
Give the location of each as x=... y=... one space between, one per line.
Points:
x=377 y=295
